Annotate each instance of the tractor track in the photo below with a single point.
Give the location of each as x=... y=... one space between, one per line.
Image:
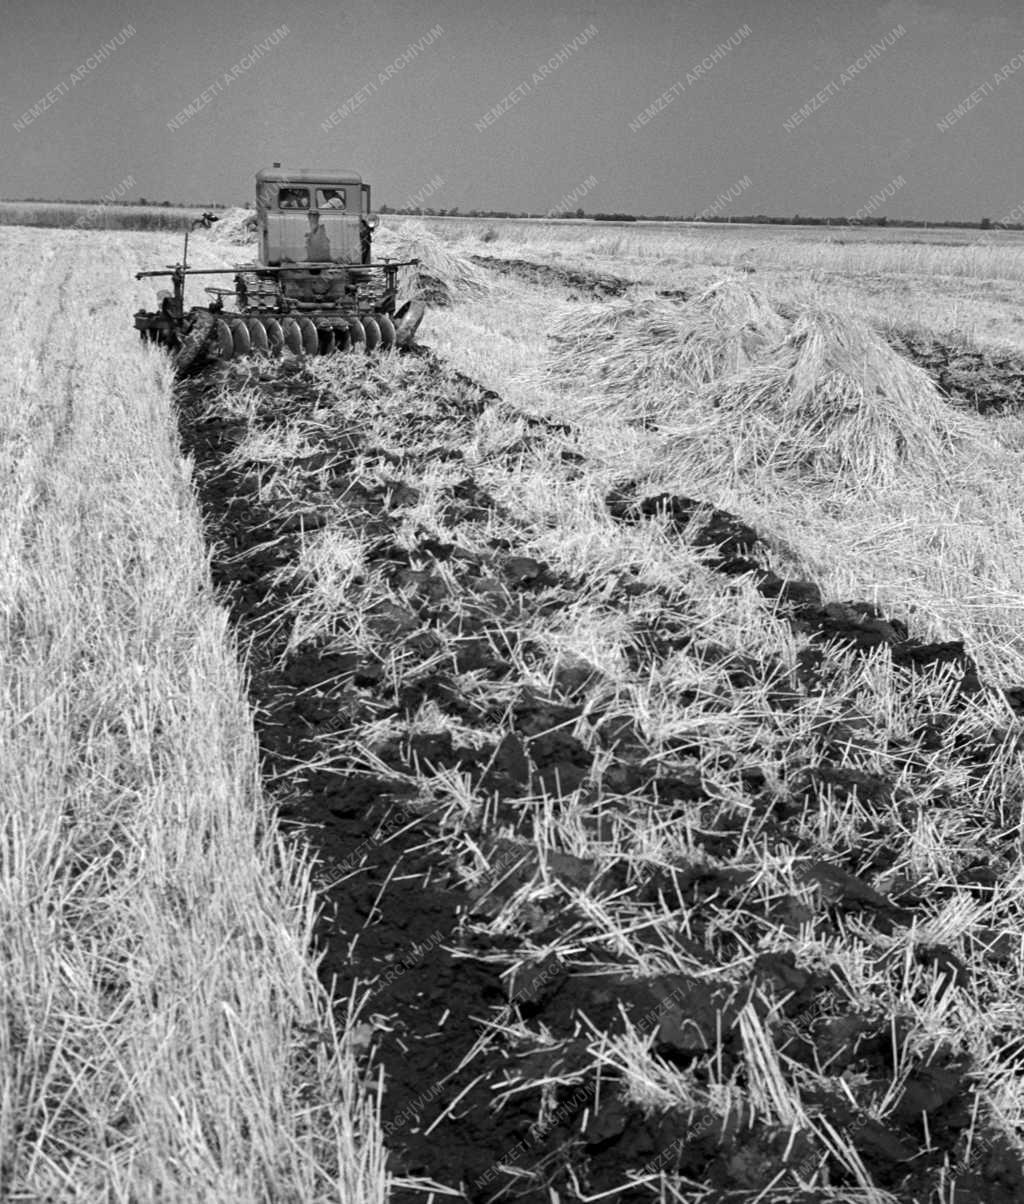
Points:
x=398 y=920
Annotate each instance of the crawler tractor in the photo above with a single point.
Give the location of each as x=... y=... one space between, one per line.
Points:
x=313 y=288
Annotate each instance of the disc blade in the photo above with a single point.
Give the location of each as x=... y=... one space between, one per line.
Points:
x=258 y=336
x=292 y=335
x=357 y=334
x=310 y=338
x=387 y=332
x=275 y=335
x=372 y=332
x=325 y=337
x=409 y=323
x=225 y=340
x=240 y=334
x=342 y=338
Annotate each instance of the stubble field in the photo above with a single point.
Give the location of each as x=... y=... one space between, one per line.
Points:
x=638 y=664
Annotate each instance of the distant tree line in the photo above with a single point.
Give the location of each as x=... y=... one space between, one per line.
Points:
x=61 y=200
x=764 y=219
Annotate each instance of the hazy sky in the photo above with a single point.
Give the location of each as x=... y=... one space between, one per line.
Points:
x=719 y=133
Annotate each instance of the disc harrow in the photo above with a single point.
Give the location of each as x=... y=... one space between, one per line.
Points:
x=230 y=336
x=314 y=288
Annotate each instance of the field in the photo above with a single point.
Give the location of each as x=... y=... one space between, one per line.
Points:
x=162 y=1032
x=579 y=759
x=82 y=216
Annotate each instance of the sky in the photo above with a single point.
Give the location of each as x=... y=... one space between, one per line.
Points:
x=657 y=107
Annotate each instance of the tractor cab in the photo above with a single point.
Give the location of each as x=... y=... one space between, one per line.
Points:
x=309 y=216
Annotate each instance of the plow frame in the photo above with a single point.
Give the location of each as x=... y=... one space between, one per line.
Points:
x=172 y=307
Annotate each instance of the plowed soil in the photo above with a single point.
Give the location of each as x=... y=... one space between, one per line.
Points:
x=579 y=281
x=446 y=628
x=974 y=379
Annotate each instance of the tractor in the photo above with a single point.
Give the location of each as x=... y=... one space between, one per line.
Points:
x=313 y=289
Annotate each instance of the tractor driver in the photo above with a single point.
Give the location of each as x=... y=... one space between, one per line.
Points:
x=293 y=198
x=333 y=199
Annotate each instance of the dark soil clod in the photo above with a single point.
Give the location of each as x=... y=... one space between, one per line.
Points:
x=971 y=378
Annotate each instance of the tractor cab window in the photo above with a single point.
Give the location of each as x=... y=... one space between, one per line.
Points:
x=331 y=198
x=293 y=198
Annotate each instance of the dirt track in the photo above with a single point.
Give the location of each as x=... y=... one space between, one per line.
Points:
x=409 y=915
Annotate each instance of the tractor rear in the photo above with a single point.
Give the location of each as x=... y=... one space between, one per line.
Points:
x=313 y=288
